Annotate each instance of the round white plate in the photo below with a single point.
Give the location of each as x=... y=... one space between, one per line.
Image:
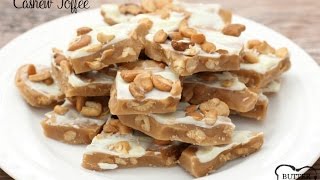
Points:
x=292 y=127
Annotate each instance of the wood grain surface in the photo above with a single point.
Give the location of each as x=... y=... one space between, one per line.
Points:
x=299 y=20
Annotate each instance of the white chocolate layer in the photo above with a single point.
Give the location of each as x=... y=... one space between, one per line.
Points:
x=211 y=11
x=169 y=24
x=233 y=45
x=123 y=92
x=236 y=85
x=73 y=118
x=273 y=87
x=263 y=97
x=121 y=32
x=203 y=15
x=212 y=21
x=179 y=117
x=206 y=154
x=47 y=90
x=112 y=11
x=102 y=142
x=230 y=43
x=265 y=64
x=94 y=76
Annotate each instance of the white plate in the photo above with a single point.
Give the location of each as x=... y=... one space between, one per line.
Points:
x=291 y=128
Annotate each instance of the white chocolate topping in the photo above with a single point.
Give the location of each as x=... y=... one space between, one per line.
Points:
x=203 y=15
x=167 y=46
x=73 y=118
x=123 y=92
x=112 y=11
x=94 y=76
x=265 y=64
x=76 y=81
x=273 y=87
x=236 y=85
x=169 y=24
x=179 y=117
x=206 y=154
x=263 y=97
x=212 y=18
x=102 y=142
x=120 y=31
x=232 y=44
x=107 y=166
x=47 y=90
x=91 y=78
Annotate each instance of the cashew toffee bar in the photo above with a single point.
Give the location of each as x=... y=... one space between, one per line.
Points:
x=37 y=86
x=262 y=64
x=216 y=17
x=119 y=146
x=199 y=161
x=259 y=111
x=205 y=124
x=99 y=47
x=92 y=83
x=187 y=46
x=155 y=86
x=187 y=50
x=147 y=90
x=225 y=86
x=206 y=50
x=68 y=125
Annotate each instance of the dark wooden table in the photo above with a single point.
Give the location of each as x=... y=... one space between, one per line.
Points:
x=299 y=20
